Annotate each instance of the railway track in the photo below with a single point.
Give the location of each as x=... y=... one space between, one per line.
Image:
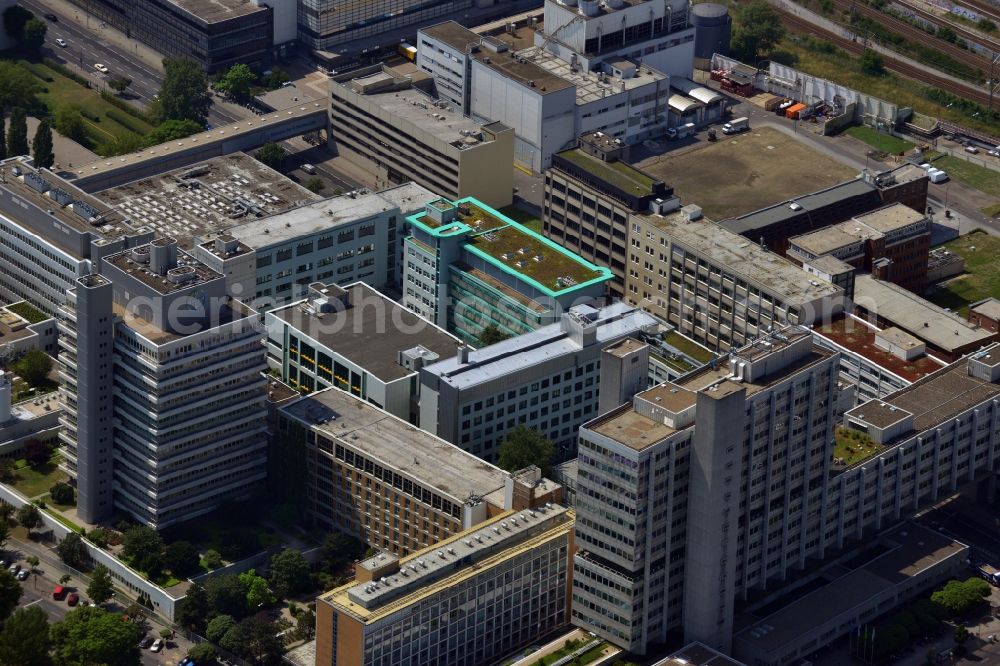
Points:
x=797 y=25
x=961 y=31
x=915 y=35
x=986 y=9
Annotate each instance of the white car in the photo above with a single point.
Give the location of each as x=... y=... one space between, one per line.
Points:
x=62 y=42
x=157 y=645
x=103 y=69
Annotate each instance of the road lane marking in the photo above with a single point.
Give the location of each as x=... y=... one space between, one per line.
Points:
x=32 y=603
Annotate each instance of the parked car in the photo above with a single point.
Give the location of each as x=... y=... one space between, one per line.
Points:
x=59 y=593
x=995 y=152
x=23 y=574
x=14 y=568
x=73 y=599
x=51 y=17
x=157 y=645
x=971 y=149
x=103 y=69
x=61 y=42
x=145 y=643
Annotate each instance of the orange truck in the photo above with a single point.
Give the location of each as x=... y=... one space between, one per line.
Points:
x=794 y=110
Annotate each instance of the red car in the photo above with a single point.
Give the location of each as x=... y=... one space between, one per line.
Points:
x=59 y=593
x=73 y=599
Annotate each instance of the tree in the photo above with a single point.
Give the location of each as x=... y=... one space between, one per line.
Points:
x=4 y=533
x=17 y=144
x=100 y=587
x=34 y=367
x=17 y=86
x=959 y=597
x=33 y=562
x=15 y=18
x=272 y=155
x=258 y=592
x=986 y=25
x=137 y=616
x=144 y=546
x=91 y=635
x=492 y=335
x=961 y=635
x=275 y=78
x=3 y=135
x=62 y=493
x=289 y=572
x=192 y=610
x=24 y=640
x=73 y=551
x=314 y=184
x=10 y=593
x=172 y=130
x=36 y=451
x=34 y=35
x=338 y=550
x=184 y=94
x=212 y=559
x=237 y=81
x=255 y=639
x=218 y=626
x=65 y=579
x=524 y=446
x=41 y=145
x=29 y=517
x=306 y=625
x=120 y=83
x=6 y=511
x=872 y=63
x=757 y=30
x=203 y=654
x=181 y=557
x=226 y=595
x=69 y=123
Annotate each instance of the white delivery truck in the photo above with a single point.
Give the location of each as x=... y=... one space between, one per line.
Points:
x=736 y=126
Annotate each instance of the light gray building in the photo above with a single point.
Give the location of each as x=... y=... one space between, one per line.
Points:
x=163 y=390
x=717 y=488
x=547 y=379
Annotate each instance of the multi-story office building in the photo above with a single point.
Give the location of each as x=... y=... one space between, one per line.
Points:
x=358 y=340
x=707 y=491
x=20 y=422
x=589 y=194
x=215 y=34
x=472 y=599
x=323 y=24
x=891 y=243
x=395 y=487
x=467 y=266
x=717 y=287
x=548 y=379
x=51 y=233
x=163 y=389
x=384 y=121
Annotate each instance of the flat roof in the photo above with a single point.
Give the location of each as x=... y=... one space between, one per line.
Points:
x=630 y=428
x=452 y=33
x=32 y=408
x=625 y=347
x=778 y=275
x=196 y=272
x=543 y=344
x=590 y=86
x=880 y=414
x=890 y=218
x=898 y=337
x=212 y=11
x=419 y=109
x=620 y=174
x=371 y=332
x=233 y=131
x=826 y=240
x=912 y=550
x=545 y=82
x=405 y=448
x=942 y=329
x=451 y=561
x=988 y=307
x=859 y=337
x=195 y=202
x=829 y=264
x=698 y=654
x=942 y=396
x=780 y=212
x=310 y=218
x=225 y=314
x=13 y=327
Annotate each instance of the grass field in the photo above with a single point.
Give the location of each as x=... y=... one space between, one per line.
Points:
x=982 y=273
x=983 y=179
x=879 y=140
x=35 y=481
x=63 y=91
x=689 y=347
x=748 y=172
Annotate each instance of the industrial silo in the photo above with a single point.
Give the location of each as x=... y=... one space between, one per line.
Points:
x=712 y=30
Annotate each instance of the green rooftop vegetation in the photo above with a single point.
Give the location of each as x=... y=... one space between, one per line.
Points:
x=28 y=311
x=687 y=346
x=853 y=446
x=621 y=175
x=981 y=278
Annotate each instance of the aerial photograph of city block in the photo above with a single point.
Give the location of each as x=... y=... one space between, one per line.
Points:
x=499 y=332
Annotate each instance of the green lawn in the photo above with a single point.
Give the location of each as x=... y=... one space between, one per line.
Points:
x=879 y=140
x=65 y=521
x=853 y=446
x=523 y=217
x=981 y=279
x=587 y=657
x=991 y=211
x=62 y=91
x=686 y=346
x=973 y=175
x=34 y=481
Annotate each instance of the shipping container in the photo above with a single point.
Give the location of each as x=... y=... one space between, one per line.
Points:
x=793 y=111
x=772 y=103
